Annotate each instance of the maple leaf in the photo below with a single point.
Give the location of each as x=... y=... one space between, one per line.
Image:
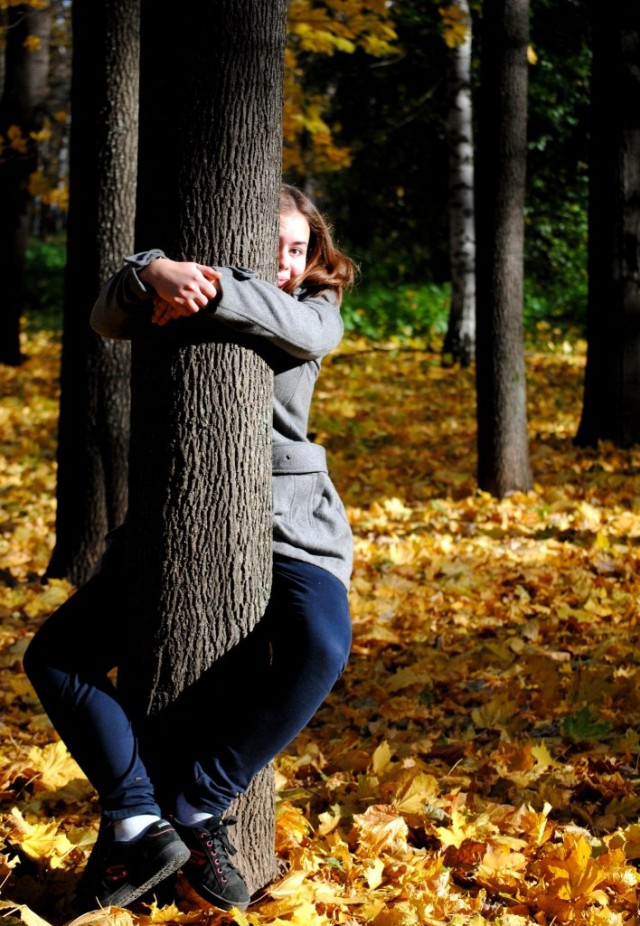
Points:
x=54 y=765
x=41 y=841
x=582 y=726
x=380 y=829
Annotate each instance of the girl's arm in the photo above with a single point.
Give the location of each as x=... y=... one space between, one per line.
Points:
x=308 y=326
x=125 y=304
x=305 y=326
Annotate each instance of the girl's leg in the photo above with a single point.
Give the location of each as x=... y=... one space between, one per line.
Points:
x=67 y=663
x=266 y=702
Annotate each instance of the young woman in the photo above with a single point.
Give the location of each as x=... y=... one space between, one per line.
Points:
x=306 y=623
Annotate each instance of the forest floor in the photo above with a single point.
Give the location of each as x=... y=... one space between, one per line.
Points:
x=478 y=762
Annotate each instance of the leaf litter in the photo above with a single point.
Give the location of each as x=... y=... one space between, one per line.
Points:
x=478 y=761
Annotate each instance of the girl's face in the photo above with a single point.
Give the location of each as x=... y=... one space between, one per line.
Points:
x=294 y=244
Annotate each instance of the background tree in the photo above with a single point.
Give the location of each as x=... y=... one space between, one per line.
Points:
x=21 y=121
x=557 y=163
x=460 y=341
x=93 y=434
x=390 y=203
x=611 y=408
x=199 y=522
x=503 y=448
x=323 y=30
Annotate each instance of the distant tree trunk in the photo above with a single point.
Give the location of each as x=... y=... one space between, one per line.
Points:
x=503 y=449
x=199 y=521
x=21 y=112
x=611 y=408
x=460 y=341
x=93 y=438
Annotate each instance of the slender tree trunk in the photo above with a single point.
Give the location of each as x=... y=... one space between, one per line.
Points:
x=460 y=341
x=21 y=112
x=611 y=407
x=503 y=450
x=199 y=523
x=93 y=434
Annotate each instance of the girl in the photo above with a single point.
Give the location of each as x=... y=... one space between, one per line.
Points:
x=306 y=622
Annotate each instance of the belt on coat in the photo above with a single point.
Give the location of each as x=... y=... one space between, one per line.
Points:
x=298 y=458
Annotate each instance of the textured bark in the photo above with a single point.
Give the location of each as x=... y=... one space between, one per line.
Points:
x=93 y=434
x=460 y=341
x=200 y=521
x=503 y=449
x=611 y=407
x=21 y=106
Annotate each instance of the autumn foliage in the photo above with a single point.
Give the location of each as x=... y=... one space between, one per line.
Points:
x=478 y=761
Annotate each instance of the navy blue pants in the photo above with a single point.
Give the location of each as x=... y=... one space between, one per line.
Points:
x=233 y=722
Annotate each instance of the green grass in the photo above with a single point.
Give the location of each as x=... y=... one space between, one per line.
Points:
x=421 y=312
x=45 y=263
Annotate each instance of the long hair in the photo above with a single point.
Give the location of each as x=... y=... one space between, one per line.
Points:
x=327 y=267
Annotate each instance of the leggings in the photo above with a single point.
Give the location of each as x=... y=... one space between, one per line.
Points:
x=233 y=722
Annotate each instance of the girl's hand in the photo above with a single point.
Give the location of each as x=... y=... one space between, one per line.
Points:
x=182 y=287
x=163 y=312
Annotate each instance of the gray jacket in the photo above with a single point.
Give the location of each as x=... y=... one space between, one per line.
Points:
x=309 y=520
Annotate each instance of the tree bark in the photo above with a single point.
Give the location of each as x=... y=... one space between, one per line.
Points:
x=503 y=450
x=460 y=341
x=21 y=110
x=199 y=522
x=611 y=404
x=93 y=431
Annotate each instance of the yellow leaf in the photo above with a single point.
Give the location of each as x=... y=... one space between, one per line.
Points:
x=381 y=829
x=494 y=714
x=329 y=820
x=54 y=764
x=32 y=42
x=41 y=841
x=422 y=790
x=293 y=884
x=373 y=873
x=381 y=761
x=543 y=757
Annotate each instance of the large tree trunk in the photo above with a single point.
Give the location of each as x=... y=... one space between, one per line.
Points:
x=503 y=449
x=200 y=524
x=93 y=437
x=611 y=408
x=21 y=112
x=460 y=341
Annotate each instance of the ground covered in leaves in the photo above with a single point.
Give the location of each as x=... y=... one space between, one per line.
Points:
x=478 y=761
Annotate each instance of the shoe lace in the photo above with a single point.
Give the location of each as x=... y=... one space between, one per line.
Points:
x=220 y=840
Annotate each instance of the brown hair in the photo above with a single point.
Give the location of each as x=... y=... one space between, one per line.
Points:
x=327 y=267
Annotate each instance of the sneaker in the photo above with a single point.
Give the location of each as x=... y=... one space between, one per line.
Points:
x=209 y=871
x=119 y=872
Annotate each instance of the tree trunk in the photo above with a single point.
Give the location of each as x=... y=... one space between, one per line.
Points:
x=503 y=449
x=199 y=522
x=460 y=341
x=93 y=433
x=25 y=88
x=611 y=406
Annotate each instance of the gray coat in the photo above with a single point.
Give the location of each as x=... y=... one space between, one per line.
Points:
x=309 y=520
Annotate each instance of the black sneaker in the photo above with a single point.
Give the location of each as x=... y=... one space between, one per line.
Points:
x=209 y=871
x=119 y=872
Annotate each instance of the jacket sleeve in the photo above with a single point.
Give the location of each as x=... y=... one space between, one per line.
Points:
x=119 y=309
x=305 y=326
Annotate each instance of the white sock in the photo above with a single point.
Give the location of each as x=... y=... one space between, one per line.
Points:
x=130 y=828
x=189 y=815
